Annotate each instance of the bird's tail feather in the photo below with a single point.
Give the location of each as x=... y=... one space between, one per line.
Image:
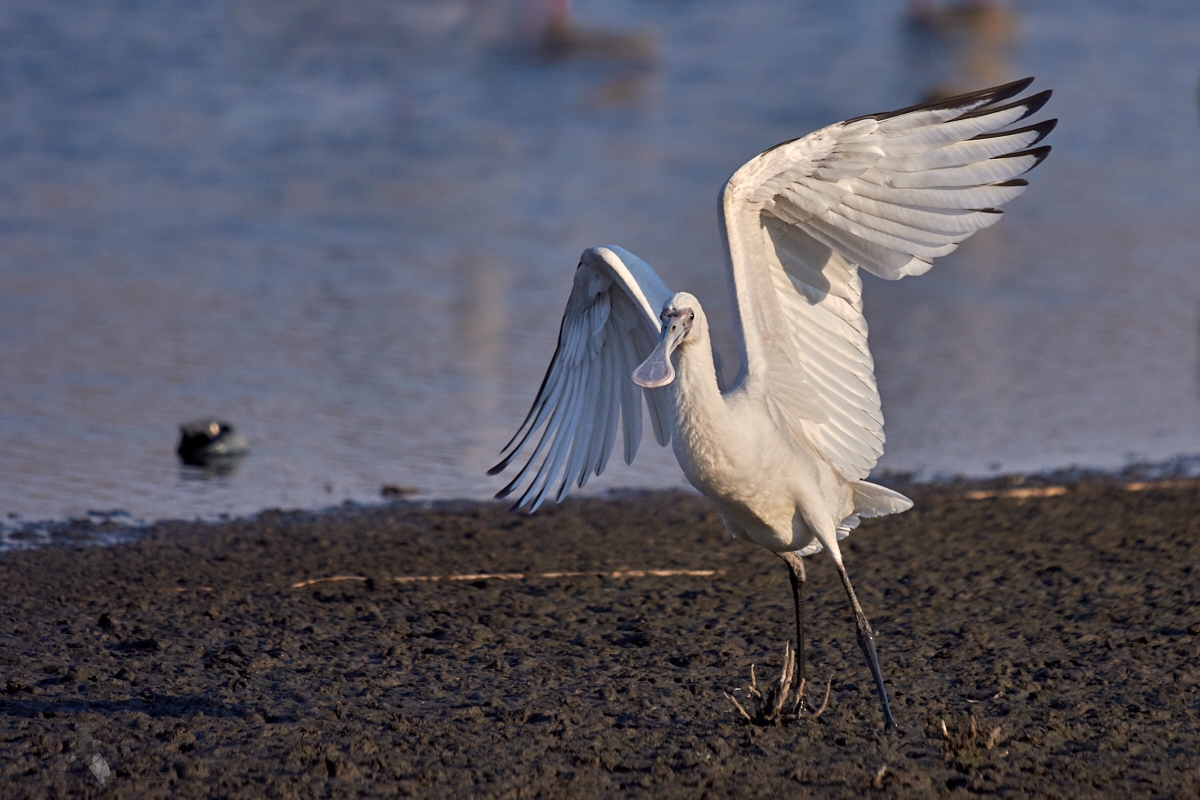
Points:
x=872 y=500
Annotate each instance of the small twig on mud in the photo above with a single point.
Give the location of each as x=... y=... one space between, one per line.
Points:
x=331 y=579
x=878 y=781
x=964 y=744
x=520 y=576
x=993 y=738
x=778 y=703
x=738 y=705
x=996 y=696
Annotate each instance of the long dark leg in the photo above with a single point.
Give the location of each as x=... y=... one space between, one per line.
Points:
x=866 y=640
x=796 y=573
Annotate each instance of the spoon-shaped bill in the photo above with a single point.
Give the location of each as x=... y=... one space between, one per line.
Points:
x=657 y=370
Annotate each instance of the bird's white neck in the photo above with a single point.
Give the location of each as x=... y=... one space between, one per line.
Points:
x=695 y=385
x=701 y=417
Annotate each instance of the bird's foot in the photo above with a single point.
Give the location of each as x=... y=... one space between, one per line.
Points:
x=781 y=699
x=805 y=704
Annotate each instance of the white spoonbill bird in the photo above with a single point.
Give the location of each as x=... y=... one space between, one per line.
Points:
x=784 y=451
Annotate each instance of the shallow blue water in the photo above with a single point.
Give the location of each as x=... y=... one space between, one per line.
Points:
x=350 y=229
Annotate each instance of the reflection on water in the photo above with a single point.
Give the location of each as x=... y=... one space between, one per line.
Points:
x=349 y=229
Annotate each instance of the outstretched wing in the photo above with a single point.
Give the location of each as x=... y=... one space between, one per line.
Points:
x=887 y=192
x=609 y=327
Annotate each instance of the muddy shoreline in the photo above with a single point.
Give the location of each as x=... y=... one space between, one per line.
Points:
x=217 y=660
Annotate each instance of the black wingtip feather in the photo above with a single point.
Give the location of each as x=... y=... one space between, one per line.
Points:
x=1036 y=101
x=508 y=459
x=1039 y=155
x=509 y=489
x=1031 y=104
x=1042 y=129
x=995 y=94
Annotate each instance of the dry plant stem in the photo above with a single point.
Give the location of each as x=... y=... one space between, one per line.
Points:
x=969 y=739
x=768 y=707
x=520 y=576
x=739 y=707
x=993 y=738
x=785 y=682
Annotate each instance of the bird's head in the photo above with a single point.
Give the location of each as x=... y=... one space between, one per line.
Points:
x=680 y=316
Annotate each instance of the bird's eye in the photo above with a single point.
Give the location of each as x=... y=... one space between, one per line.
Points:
x=691 y=316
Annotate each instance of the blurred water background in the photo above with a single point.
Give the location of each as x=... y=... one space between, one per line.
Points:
x=350 y=229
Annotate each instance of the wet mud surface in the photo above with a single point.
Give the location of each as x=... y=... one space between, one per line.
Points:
x=190 y=664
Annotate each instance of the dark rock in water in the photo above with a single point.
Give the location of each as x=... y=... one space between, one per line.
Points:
x=206 y=441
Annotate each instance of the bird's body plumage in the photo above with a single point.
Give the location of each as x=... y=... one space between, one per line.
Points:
x=782 y=452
